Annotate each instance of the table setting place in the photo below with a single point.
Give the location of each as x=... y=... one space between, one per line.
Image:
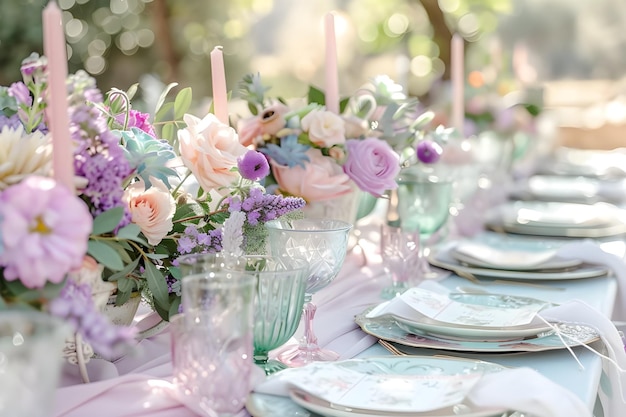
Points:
x=344 y=257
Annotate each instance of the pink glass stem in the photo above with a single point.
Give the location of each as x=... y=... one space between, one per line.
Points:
x=309 y=341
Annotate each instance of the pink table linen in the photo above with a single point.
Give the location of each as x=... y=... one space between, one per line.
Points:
x=139 y=384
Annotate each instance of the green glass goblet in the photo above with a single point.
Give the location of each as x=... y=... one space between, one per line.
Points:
x=281 y=282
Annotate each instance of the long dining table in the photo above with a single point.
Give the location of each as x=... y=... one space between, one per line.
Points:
x=140 y=383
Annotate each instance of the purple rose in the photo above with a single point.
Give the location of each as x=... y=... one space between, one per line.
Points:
x=372 y=164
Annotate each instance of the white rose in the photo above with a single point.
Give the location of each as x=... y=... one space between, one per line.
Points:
x=325 y=128
x=152 y=209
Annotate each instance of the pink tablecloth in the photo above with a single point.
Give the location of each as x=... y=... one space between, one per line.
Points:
x=139 y=384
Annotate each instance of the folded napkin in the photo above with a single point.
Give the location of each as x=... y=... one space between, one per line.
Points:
x=572 y=312
x=590 y=252
x=520 y=389
x=613 y=398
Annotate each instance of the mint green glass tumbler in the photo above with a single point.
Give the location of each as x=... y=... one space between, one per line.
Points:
x=281 y=283
x=424 y=200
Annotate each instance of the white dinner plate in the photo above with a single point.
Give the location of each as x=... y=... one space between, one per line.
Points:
x=543 y=218
x=472 y=317
x=379 y=389
x=443 y=259
x=484 y=255
x=386 y=328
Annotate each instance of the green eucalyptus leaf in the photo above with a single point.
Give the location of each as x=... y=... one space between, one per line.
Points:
x=128 y=269
x=157 y=256
x=161 y=99
x=105 y=254
x=182 y=103
x=163 y=111
x=132 y=90
x=169 y=132
x=174 y=307
x=125 y=285
x=316 y=95
x=22 y=293
x=129 y=231
x=122 y=297
x=157 y=285
x=107 y=222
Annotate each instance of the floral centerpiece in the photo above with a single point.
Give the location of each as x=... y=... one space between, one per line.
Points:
x=141 y=201
x=314 y=153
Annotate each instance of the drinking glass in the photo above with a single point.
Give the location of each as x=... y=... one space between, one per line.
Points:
x=281 y=282
x=323 y=243
x=423 y=205
x=400 y=252
x=198 y=263
x=211 y=342
x=31 y=345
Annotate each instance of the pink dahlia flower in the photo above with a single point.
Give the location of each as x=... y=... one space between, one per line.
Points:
x=44 y=230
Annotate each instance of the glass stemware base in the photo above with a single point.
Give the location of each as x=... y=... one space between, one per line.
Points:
x=307 y=350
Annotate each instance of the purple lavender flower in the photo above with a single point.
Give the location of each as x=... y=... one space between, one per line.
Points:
x=260 y=207
x=75 y=306
x=253 y=165
x=194 y=240
x=12 y=122
x=21 y=94
x=98 y=156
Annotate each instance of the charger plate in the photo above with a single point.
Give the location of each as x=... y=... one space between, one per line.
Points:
x=482 y=317
x=557 y=219
x=442 y=258
x=483 y=255
x=386 y=328
x=416 y=386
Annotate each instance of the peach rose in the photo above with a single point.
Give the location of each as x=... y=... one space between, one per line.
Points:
x=325 y=128
x=269 y=122
x=210 y=148
x=321 y=179
x=152 y=209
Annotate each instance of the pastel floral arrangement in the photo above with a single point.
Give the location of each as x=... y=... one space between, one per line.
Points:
x=314 y=153
x=140 y=201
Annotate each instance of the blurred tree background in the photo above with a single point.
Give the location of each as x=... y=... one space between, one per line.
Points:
x=154 y=42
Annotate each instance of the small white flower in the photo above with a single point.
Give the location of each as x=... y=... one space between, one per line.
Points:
x=23 y=154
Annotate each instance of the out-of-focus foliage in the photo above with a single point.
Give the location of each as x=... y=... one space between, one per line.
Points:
x=120 y=41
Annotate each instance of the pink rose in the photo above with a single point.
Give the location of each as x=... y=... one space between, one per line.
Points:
x=321 y=179
x=152 y=209
x=210 y=148
x=372 y=164
x=325 y=128
x=269 y=122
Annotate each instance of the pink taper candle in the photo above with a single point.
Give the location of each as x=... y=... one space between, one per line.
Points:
x=331 y=71
x=56 y=111
x=218 y=77
x=457 y=74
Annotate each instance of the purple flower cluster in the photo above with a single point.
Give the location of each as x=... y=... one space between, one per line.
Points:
x=98 y=155
x=75 y=306
x=260 y=207
x=193 y=240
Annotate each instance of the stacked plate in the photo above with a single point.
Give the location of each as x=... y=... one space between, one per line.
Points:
x=470 y=322
x=417 y=386
x=572 y=189
x=512 y=259
x=557 y=219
